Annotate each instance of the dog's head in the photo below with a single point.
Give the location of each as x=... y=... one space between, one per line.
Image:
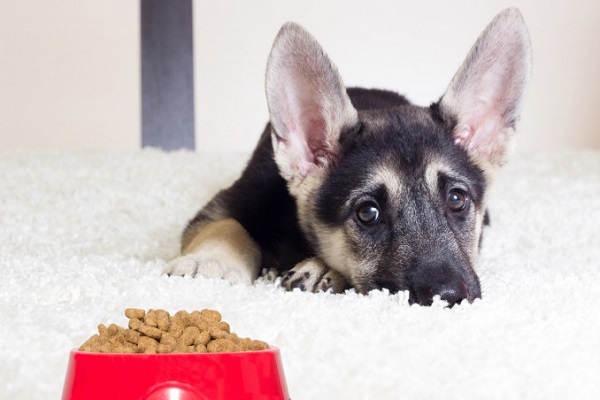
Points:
x=394 y=197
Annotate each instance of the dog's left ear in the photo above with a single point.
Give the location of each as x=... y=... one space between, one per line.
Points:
x=483 y=101
x=308 y=104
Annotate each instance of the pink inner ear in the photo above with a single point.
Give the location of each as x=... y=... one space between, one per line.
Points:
x=484 y=136
x=462 y=135
x=315 y=134
x=483 y=112
x=305 y=120
x=301 y=158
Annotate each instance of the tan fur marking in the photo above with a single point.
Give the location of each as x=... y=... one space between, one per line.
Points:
x=219 y=249
x=434 y=167
x=335 y=249
x=390 y=178
x=228 y=230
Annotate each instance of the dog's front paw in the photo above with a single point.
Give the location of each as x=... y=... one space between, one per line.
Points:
x=208 y=266
x=312 y=275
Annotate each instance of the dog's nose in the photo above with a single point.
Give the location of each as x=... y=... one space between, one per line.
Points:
x=440 y=281
x=453 y=293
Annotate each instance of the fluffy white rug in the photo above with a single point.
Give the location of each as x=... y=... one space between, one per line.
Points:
x=85 y=235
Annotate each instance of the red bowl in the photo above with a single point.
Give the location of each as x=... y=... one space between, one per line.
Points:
x=195 y=376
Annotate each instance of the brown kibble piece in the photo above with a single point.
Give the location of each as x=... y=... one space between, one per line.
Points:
x=150 y=319
x=105 y=348
x=200 y=348
x=146 y=341
x=224 y=326
x=168 y=340
x=131 y=336
x=116 y=340
x=234 y=338
x=165 y=348
x=184 y=318
x=188 y=335
x=216 y=333
x=130 y=349
x=113 y=330
x=150 y=331
x=176 y=331
x=202 y=339
x=180 y=348
x=135 y=324
x=194 y=315
x=163 y=320
x=211 y=315
x=199 y=321
x=254 y=345
x=135 y=313
x=102 y=330
x=147 y=345
x=221 y=346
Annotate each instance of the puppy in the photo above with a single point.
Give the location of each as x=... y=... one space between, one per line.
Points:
x=352 y=187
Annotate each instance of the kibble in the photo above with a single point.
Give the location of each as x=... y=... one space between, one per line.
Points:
x=156 y=331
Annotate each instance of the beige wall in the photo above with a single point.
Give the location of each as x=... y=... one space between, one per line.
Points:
x=69 y=74
x=69 y=69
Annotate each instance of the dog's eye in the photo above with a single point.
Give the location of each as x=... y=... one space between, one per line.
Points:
x=367 y=213
x=457 y=200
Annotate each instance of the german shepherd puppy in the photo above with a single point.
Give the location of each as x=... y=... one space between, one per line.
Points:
x=360 y=188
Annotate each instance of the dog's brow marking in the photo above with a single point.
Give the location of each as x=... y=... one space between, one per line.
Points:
x=381 y=175
x=386 y=176
x=432 y=173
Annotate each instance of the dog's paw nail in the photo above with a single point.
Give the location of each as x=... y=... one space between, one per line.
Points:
x=181 y=266
x=286 y=278
x=298 y=284
x=326 y=283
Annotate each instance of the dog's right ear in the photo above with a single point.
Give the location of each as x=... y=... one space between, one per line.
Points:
x=485 y=96
x=308 y=104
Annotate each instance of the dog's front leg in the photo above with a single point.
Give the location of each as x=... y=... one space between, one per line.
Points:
x=312 y=275
x=220 y=249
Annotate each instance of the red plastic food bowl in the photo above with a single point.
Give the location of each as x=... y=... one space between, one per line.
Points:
x=243 y=375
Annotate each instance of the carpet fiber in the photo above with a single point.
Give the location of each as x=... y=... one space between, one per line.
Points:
x=85 y=235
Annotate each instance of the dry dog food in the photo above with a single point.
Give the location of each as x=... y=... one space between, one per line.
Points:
x=156 y=331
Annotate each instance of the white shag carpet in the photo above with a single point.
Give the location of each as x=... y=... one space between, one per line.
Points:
x=84 y=235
